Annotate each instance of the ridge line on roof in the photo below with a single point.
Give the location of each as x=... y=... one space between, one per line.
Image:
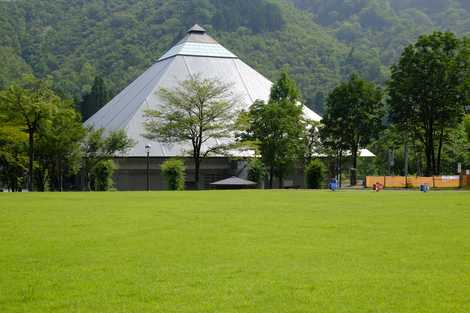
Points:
x=162 y=74
x=243 y=82
x=253 y=69
x=140 y=90
x=124 y=92
x=187 y=67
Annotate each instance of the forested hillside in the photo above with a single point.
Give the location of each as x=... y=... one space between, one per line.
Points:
x=322 y=42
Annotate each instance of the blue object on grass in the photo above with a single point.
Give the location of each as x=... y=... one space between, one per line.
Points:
x=333 y=185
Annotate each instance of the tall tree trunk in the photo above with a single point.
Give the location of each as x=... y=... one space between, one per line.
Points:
x=429 y=151
x=405 y=169
x=433 y=154
x=428 y=170
x=417 y=158
x=340 y=165
x=439 y=151
x=337 y=166
x=271 y=177
x=432 y=151
x=31 y=159
x=197 y=165
x=41 y=176
x=353 y=177
x=84 y=175
x=61 y=181
x=88 y=180
x=60 y=174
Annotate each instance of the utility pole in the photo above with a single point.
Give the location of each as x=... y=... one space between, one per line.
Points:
x=340 y=165
x=147 y=149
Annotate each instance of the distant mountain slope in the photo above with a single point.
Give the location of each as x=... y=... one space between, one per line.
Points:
x=380 y=28
x=321 y=42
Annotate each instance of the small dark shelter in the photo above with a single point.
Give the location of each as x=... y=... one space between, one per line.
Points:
x=233 y=183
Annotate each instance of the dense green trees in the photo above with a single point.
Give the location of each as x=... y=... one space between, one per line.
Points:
x=423 y=132
x=13 y=155
x=466 y=123
x=278 y=129
x=425 y=103
x=58 y=147
x=353 y=117
x=428 y=91
x=258 y=15
x=42 y=138
x=29 y=103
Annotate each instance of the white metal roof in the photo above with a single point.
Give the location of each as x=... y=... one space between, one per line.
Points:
x=197 y=53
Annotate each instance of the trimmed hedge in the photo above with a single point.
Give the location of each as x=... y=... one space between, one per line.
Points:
x=174 y=171
x=315 y=174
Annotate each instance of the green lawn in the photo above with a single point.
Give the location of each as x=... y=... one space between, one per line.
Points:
x=235 y=251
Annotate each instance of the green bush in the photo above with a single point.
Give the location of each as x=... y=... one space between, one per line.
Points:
x=102 y=175
x=256 y=171
x=174 y=171
x=315 y=174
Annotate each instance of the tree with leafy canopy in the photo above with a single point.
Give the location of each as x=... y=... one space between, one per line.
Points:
x=29 y=103
x=353 y=117
x=98 y=147
x=333 y=146
x=13 y=155
x=197 y=111
x=313 y=143
x=256 y=171
x=58 y=148
x=428 y=90
x=278 y=129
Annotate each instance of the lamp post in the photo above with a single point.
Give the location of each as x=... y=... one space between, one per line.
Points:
x=147 y=149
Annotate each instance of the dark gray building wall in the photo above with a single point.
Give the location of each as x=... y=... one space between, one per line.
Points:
x=132 y=173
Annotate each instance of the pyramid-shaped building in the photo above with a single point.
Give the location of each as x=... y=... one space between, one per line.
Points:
x=197 y=53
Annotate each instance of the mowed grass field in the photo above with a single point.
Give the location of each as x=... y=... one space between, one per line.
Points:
x=235 y=251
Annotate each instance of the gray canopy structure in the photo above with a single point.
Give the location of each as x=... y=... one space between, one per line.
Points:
x=233 y=183
x=197 y=53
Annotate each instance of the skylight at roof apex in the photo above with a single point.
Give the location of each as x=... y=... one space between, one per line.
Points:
x=198 y=43
x=199 y=49
x=196 y=29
